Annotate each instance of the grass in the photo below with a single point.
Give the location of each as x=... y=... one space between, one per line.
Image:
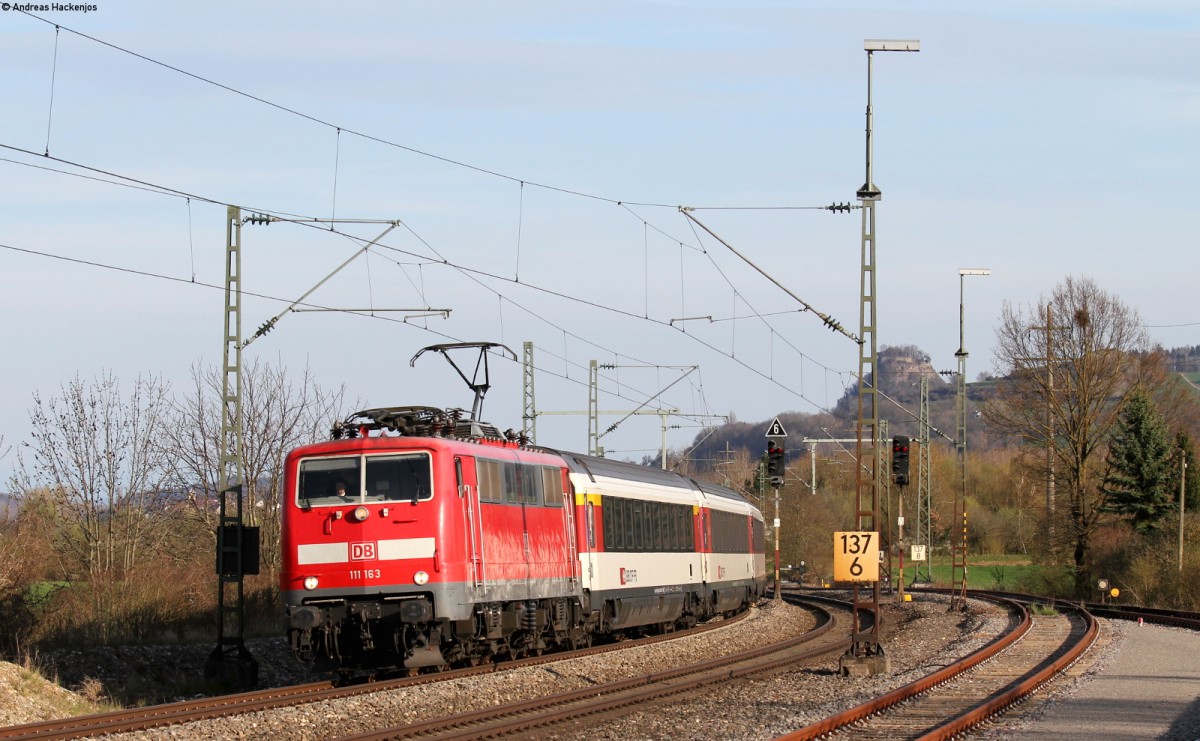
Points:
x=1000 y=572
x=40 y=593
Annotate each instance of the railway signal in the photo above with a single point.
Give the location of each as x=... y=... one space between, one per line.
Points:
x=775 y=463
x=900 y=446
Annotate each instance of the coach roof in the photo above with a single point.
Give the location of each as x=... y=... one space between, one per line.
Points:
x=592 y=467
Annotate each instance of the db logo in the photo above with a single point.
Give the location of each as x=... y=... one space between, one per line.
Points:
x=362 y=551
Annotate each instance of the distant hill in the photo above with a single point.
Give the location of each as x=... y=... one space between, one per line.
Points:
x=901 y=369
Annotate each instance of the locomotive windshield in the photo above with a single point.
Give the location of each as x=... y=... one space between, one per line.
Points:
x=388 y=478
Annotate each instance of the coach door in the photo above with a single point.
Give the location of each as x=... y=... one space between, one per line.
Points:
x=468 y=494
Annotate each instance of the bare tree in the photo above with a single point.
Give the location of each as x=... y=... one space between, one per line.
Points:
x=10 y=546
x=278 y=413
x=1070 y=362
x=94 y=455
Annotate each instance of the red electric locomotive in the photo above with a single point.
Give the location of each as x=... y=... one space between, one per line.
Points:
x=418 y=538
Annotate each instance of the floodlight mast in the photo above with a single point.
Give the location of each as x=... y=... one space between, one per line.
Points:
x=963 y=272
x=958 y=559
x=869 y=191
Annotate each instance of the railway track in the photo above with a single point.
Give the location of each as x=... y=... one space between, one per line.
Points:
x=970 y=691
x=156 y=716
x=830 y=635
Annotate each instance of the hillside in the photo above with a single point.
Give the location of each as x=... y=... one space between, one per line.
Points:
x=901 y=369
x=900 y=372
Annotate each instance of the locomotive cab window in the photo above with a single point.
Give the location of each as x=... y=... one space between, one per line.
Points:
x=398 y=478
x=328 y=482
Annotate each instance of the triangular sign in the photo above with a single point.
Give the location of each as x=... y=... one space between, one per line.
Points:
x=776 y=429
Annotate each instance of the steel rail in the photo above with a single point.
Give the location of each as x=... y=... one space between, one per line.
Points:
x=980 y=711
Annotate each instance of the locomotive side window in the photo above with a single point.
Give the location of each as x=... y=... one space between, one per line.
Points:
x=399 y=478
x=552 y=486
x=489 y=480
x=322 y=478
x=531 y=483
x=512 y=487
x=518 y=483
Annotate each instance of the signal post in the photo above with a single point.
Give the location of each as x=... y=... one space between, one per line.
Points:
x=776 y=463
x=901 y=445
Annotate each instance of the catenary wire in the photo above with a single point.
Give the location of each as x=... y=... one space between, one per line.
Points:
x=166 y=190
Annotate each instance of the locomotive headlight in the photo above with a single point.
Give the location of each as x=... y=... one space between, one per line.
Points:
x=421 y=578
x=310 y=583
x=361 y=514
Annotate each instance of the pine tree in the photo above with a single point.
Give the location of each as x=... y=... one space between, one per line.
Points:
x=1138 y=482
x=1183 y=446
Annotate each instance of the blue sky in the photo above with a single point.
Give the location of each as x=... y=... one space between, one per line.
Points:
x=536 y=154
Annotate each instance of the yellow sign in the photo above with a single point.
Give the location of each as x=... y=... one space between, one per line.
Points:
x=856 y=556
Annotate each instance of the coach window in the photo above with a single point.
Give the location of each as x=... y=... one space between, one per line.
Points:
x=652 y=526
x=399 y=478
x=660 y=541
x=608 y=510
x=676 y=528
x=637 y=515
x=617 y=517
x=320 y=477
